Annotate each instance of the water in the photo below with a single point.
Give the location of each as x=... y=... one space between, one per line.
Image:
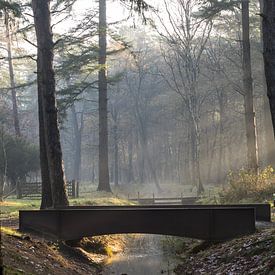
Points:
x=144 y=256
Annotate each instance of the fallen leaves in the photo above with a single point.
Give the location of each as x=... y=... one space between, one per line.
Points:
x=253 y=254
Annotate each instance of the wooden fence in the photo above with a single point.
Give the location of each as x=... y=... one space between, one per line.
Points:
x=164 y=201
x=34 y=189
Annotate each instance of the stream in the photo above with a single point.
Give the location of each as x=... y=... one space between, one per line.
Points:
x=143 y=256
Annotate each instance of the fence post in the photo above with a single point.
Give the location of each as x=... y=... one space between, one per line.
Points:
x=18 y=190
x=73 y=188
x=77 y=189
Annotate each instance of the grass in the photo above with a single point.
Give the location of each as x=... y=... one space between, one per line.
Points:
x=89 y=196
x=10 y=207
x=8 y=270
x=10 y=232
x=100 y=201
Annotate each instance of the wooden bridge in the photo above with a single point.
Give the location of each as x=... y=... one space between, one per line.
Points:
x=200 y=222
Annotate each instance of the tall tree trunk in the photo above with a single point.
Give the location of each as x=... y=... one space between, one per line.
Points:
x=141 y=159
x=115 y=150
x=130 y=177
x=77 y=143
x=210 y=158
x=268 y=24
x=187 y=178
x=46 y=84
x=3 y=167
x=250 y=121
x=195 y=133
x=152 y=168
x=191 y=154
x=222 y=138
x=200 y=187
x=269 y=141
x=103 y=184
x=179 y=162
x=11 y=74
x=46 y=200
x=94 y=155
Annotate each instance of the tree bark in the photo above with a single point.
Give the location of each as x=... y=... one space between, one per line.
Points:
x=197 y=168
x=46 y=86
x=269 y=141
x=221 y=161
x=46 y=200
x=250 y=122
x=268 y=29
x=103 y=177
x=12 y=81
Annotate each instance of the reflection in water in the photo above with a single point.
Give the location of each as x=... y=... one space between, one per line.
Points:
x=143 y=257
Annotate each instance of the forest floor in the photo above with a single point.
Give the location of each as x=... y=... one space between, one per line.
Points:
x=32 y=254
x=253 y=254
x=26 y=254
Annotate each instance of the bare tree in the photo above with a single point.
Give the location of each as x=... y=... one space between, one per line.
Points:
x=250 y=120
x=78 y=124
x=3 y=163
x=186 y=37
x=136 y=76
x=8 y=23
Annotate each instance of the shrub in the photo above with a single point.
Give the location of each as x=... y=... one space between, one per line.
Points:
x=21 y=157
x=250 y=187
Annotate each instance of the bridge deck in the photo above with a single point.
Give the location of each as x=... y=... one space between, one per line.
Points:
x=201 y=223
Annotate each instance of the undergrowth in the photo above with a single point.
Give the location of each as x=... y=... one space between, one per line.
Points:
x=247 y=186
